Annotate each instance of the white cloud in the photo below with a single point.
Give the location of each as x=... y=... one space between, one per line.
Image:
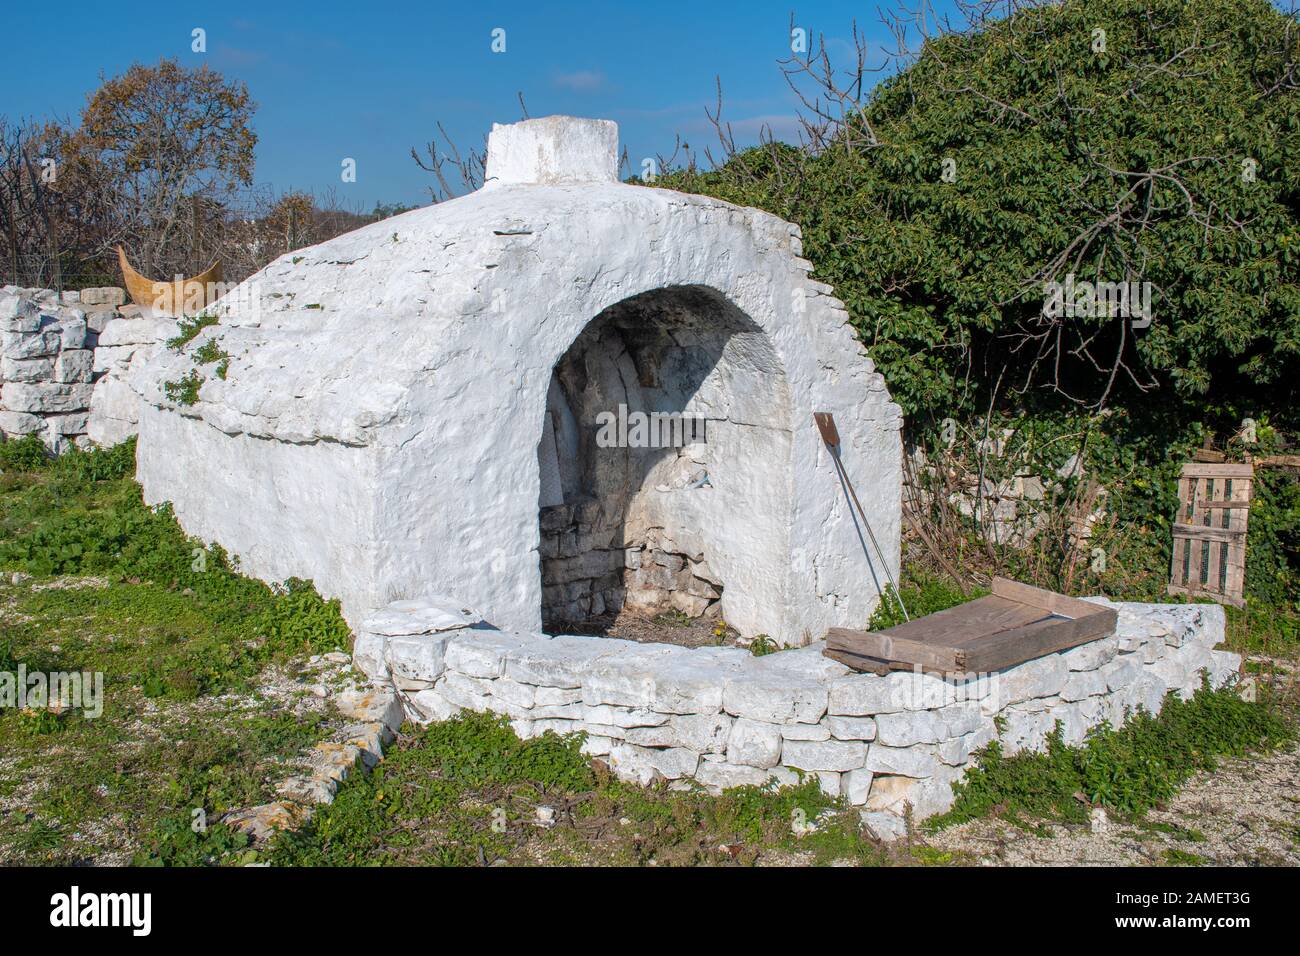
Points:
x=580 y=81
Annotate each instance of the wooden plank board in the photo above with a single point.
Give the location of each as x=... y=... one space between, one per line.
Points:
x=1016 y=623
x=858 y=662
x=883 y=647
x=965 y=622
x=1178 y=573
x=1209 y=536
x=1043 y=598
x=1200 y=519
x=984 y=623
x=954 y=626
x=1235 y=583
x=1198 y=469
x=1203 y=533
x=1278 y=461
x=1176 y=577
x=1213 y=519
x=1040 y=639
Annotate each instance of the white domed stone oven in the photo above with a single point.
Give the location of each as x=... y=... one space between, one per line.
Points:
x=549 y=398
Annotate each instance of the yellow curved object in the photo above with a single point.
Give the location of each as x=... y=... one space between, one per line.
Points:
x=181 y=297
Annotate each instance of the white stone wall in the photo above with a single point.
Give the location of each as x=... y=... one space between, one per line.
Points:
x=47 y=346
x=725 y=718
x=123 y=348
x=64 y=361
x=313 y=526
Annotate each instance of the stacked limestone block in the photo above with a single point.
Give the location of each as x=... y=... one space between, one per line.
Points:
x=375 y=717
x=47 y=361
x=122 y=350
x=581 y=562
x=659 y=575
x=63 y=358
x=724 y=718
x=587 y=572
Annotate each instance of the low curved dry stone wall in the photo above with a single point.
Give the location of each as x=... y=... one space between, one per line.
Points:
x=723 y=718
x=64 y=363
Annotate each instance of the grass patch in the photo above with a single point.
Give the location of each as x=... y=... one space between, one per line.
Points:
x=23 y=454
x=177 y=841
x=188 y=330
x=186 y=390
x=1129 y=771
x=922 y=594
x=137 y=775
x=673 y=618
x=1174 y=830
x=1176 y=857
x=191 y=623
x=466 y=792
x=211 y=351
x=111 y=585
x=1263 y=630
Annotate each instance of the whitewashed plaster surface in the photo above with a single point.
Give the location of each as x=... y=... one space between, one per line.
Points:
x=378 y=427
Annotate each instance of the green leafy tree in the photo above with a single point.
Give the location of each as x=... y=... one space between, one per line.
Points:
x=153 y=144
x=1111 y=140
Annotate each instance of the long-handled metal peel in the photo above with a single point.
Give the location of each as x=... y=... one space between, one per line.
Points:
x=831 y=436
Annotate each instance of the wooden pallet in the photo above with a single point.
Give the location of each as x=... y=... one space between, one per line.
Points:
x=1210 y=531
x=1014 y=624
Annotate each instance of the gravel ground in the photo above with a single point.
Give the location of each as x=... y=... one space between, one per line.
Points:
x=110 y=838
x=1245 y=813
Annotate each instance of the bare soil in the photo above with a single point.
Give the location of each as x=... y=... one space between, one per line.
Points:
x=668 y=627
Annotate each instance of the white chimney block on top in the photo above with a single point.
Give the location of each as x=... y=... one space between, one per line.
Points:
x=552 y=150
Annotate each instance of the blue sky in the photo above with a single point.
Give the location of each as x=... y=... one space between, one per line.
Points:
x=369 y=81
